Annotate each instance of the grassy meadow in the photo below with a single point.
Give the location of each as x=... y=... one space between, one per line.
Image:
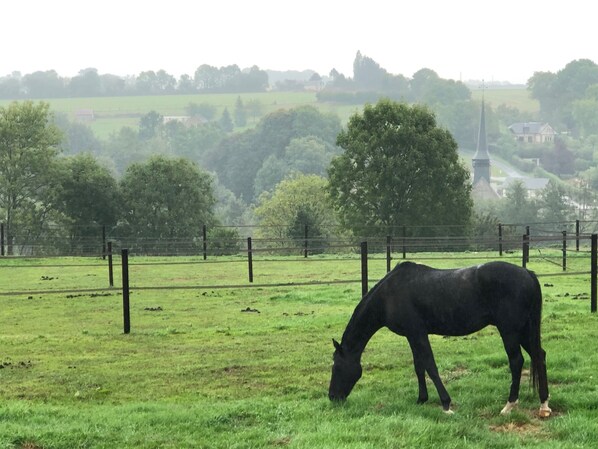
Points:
x=249 y=368
x=112 y=113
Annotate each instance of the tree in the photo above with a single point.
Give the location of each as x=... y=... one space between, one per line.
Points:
x=240 y=113
x=516 y=207
x=166 y=199
x=226 y=123
x=554 y=207
x=149 y=124
x=298 y=201
x=88 y=198
x=28 y=149
x=398 y=168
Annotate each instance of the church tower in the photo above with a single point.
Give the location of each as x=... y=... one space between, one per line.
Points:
x=481 y=158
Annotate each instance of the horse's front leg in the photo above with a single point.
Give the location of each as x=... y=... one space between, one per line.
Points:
x=420 y=372
x=423 y=357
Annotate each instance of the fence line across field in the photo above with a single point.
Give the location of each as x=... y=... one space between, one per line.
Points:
x=364 y=257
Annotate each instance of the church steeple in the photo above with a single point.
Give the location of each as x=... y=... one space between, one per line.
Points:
x=481 y=158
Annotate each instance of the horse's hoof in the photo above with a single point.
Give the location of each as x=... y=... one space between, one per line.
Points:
x=509 y=407
x=448 y=412
x=544 y=411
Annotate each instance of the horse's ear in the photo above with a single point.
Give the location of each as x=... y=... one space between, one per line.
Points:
x=337 y=346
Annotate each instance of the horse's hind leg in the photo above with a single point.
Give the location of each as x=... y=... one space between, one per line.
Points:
x=545 y=410
x=512 y=346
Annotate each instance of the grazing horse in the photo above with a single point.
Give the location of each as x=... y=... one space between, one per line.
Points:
x=414 y=301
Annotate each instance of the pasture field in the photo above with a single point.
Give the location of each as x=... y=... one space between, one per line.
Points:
x=112 y=113
x=249 y=368
x=515 y=97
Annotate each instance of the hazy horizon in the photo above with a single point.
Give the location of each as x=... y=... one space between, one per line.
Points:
x=501 y=42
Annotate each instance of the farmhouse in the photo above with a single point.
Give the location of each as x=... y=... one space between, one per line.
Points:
x=532 y=132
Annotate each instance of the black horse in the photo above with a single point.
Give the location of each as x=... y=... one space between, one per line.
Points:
x=415 y=300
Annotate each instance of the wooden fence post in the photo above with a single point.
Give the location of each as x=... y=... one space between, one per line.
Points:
x=500 y=239
x=364 y=268
x=404 y=242
x=250 y=259
x=577 y=232
x=594 y=273
x=125 y=276
x=1 y=239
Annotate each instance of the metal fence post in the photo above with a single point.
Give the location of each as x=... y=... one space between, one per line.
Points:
x=364 y=268
x=594 y=273
x=564 y=250
x=577 y=232
x=388 y=252
x=125 y=276
x=525 y=250
x=250 y=259
x=103 y=242
x=204 y=235
x=110 y=266
x=500 y=239
x=305 y=241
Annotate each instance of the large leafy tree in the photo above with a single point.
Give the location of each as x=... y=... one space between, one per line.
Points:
x=166 y=198
x=88 y=197
x=28 y=150
x=398 y=168
x=299 y=201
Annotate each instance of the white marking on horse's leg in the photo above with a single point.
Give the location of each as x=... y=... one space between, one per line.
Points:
x=448 y=412
x=545 y=411
x=507 y=408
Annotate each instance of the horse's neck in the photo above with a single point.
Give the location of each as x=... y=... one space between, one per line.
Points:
x=364 y=323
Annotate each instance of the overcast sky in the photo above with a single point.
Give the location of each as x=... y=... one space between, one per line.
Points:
x=506 y=40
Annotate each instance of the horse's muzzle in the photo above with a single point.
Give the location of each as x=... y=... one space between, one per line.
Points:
x=336 y=398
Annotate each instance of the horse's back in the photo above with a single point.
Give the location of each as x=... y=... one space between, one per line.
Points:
x=459 y=301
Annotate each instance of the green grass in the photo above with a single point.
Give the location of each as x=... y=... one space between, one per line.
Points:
x=199 y=371
x=518 y=98
x=112 y=113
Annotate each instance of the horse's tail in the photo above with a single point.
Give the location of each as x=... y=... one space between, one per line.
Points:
x=538 y=364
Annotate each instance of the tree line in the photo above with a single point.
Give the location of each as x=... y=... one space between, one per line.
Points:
x=90 y=83
x=392 y=165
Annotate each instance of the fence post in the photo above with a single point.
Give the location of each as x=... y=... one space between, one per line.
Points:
x=594 y=272
x=577 y=228
x=110 y=266
x=500 y=239
x=527 y=240
x=364 y=268
x=1 y=239
x=525 y=250
x=250 y=259
x=204 y=235
x=305 y=242
x=564 y=250
x=404 y=242
x=103 y=242
x=388 y=252
x=125 y=276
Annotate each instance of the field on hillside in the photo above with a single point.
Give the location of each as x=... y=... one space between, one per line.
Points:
x=518 y=97
x=249 y=368
x=112 y=113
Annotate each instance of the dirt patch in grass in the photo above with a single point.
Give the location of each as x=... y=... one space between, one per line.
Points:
x=519 y=428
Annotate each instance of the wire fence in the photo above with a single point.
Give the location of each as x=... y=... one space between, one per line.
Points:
x=572 y=251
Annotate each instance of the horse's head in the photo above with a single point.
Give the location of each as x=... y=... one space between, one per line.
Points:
x=346 y=371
